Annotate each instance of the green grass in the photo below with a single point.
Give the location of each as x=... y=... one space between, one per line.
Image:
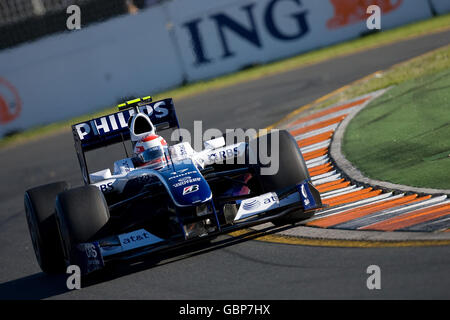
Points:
x=378 y=39
x=404 y=136
x=423 y=65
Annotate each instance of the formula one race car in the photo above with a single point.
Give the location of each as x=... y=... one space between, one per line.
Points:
x=162 y=197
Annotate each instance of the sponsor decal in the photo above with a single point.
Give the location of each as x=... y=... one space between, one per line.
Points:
x=182 y=150
x=191 y=189
x=123 y=166
x=185 y=182
x=119 y=120
x=306 y=201
x=10 y=102
x=229 y=27
x=90 y=251
x=253 y=204
x=273 y=198
x=306 y=196
x=181 y=174
x=137 y=239
x=106 y=188
x=223 y=155
x=352 y=11
x=126 y=166
x=257 y=205
x=89 y=257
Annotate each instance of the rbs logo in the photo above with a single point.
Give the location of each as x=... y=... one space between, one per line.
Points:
x=248 y=30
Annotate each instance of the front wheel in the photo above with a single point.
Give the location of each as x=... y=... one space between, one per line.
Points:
x=286 y=169
x=40 y=213
x=82 y=213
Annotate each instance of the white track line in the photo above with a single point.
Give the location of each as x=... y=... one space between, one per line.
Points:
x=316 y=132
x=343 y=208
x=325 y=118
x=407 y=211
x=327 y=179
x=418 y=205
x=333 y=193
x=343 y=193
x=318 y=163
x=323 y=175
x=427 y=225
x=317 y=159
x=317 y=146
x=392 y=212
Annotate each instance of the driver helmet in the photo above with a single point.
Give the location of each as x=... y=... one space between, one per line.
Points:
x=151 y=151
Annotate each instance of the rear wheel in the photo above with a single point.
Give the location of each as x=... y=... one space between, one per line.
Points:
x=291 y=168
x=82 y=214
x=40 y=213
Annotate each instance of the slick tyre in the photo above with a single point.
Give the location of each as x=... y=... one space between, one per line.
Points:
x=291 y=168
x=82 y=213
x=40 y=214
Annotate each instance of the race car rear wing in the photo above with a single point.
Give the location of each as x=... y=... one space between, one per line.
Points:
x=113 y=128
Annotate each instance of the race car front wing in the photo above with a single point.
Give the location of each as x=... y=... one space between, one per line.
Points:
x=93 y=256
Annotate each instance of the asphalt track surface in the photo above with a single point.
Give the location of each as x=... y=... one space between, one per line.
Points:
x=233 y=268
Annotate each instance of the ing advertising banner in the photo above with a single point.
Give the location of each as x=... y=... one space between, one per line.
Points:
x=225 y=36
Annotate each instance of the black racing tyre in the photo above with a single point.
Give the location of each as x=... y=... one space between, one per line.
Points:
x=291 y=168
x=40 y=213
x=291 y=165
x=81 y=214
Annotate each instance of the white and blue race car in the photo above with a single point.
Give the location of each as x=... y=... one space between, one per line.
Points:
x=135 y=210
